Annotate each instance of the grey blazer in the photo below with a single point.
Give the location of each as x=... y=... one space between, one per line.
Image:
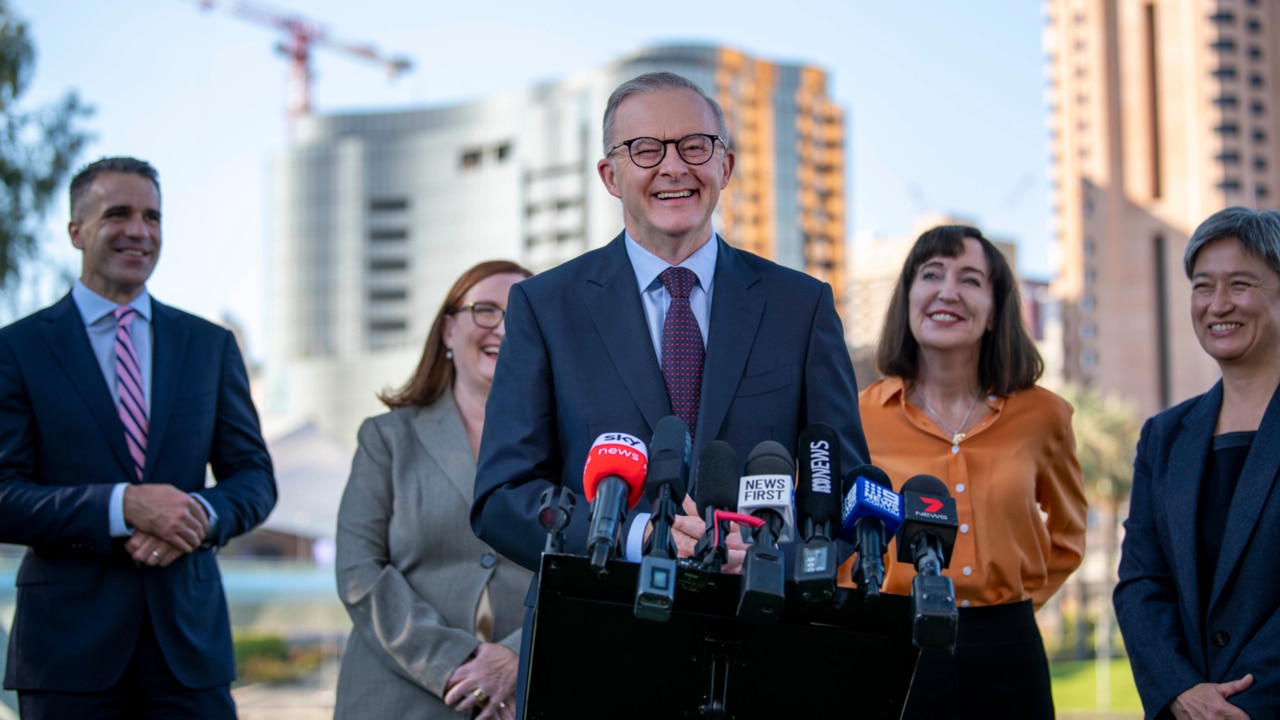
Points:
x=409 y=569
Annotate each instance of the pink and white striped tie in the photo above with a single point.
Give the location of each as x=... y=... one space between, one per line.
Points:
x=133 y=404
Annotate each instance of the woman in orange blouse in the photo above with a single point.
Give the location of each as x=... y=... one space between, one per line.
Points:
x=959 y=401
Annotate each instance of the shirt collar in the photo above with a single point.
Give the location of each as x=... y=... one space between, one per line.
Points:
x=890 y=389
x=93 y=307
x=894 y=388
x=648 y=266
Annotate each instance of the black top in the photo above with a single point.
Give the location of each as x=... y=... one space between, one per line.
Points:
x=1226 y=460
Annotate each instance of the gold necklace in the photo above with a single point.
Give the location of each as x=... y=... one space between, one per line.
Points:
x=956 y=434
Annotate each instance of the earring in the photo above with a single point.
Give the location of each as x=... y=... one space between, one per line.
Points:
x=448 y=354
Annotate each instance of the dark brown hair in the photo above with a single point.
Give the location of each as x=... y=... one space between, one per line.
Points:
x=1008 y=361
x=434 y=374
x=126 y=165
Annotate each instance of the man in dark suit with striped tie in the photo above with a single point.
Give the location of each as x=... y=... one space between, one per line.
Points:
x=112 y=406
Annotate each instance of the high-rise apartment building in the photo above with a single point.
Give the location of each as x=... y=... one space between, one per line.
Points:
x=377 y=214
x=1162 y=112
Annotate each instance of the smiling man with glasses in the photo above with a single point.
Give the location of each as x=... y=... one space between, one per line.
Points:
x=667 y=319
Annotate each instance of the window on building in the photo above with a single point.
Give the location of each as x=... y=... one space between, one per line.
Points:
x=388 y=325
x=1255 y=52
x=502 y=152
x=1227 y=129
x=1226 y=101
x=471 y=159
x=1256 y=81
x=388 y=234
x=1258 y=108
x=1259 y=135
x=1260 y=191
x=388 y=294
x=1088 y=359
x=1223 y=45
x=1260 y=163
x=388 y=203
x=1088 y=330
x=1225 y=72
x=1223 y=17
x=1230 y=185
x=1228 y=157
x=1254 y=25
x=388 y=264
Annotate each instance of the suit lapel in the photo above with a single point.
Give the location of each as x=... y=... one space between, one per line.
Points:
x=1257 y=478
x=1187 y=460
x=736 y=312
x=440 y=431
x=613 y=302
x=169 y=336
x=65 y=335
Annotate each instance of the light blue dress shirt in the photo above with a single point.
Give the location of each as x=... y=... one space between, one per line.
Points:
x=655 y=299
x=100 y=325
x=654 y=296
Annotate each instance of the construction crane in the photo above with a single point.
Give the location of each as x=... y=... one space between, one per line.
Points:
x=302 y=34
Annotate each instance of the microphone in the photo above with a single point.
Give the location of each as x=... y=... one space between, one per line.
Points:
x=927 y=537
x=872 y=513
x=613 y=481
x=554 y=520
x=668 y=479
x=766 y=494
x=929 y=525
x=717 y=491
x=818 y=512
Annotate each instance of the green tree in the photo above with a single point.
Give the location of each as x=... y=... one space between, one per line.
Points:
x=38 y=148
x=1106 y=429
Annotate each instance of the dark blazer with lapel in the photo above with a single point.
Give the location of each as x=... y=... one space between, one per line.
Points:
x=1170 y=644
x=577 y=361
x=81 y=599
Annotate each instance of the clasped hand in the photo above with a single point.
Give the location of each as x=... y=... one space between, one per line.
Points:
x=1208 y=701
x=688 y=529
x=486 y=682
x=168 y=523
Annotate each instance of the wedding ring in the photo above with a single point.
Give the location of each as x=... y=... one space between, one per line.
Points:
x=502 y=705
x=480 y=695
x=155 y=554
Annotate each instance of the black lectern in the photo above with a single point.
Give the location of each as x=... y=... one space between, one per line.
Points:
x=592 y=658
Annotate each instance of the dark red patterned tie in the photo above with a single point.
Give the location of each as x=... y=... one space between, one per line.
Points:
x=682 y=350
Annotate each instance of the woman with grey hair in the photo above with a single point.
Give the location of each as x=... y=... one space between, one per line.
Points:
x=1199 y=597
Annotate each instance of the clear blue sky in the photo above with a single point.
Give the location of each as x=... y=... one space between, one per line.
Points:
x=944 y=101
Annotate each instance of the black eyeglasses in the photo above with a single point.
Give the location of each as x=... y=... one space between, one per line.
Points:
x=483 y=314
x=647 y=152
